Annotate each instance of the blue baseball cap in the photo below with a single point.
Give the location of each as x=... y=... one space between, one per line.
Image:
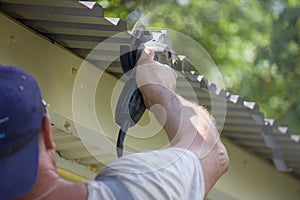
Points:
x=21 y=115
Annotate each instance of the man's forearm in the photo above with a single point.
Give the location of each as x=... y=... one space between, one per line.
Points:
x=191 y=127
x=179 y=117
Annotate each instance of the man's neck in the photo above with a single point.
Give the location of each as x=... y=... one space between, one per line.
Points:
x=66 y=190
x=50 y=186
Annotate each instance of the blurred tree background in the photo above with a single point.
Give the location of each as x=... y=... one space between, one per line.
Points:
x=255 y=44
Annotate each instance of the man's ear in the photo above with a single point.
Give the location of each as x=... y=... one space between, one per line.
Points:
x=46 y=133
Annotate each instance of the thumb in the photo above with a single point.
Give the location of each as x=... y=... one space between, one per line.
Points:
x=146 y=57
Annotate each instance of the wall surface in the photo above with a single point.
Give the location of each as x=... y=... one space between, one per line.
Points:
x=249 y=177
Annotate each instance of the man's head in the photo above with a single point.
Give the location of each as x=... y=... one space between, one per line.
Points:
x=21 y=115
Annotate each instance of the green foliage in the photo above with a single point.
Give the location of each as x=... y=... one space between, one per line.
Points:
x=282 y=54
x=255 y=44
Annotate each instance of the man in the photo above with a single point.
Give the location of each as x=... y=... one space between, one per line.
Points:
x=186 y=170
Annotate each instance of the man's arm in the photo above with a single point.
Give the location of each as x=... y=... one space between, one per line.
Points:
x=188 y=125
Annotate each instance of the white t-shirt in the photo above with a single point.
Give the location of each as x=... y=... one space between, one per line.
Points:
x=172 y=173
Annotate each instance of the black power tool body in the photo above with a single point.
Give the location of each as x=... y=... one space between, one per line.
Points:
x=131 y=107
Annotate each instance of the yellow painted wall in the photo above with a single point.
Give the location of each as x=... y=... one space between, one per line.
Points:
x=249 y=177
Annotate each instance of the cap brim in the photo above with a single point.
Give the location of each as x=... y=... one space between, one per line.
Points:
x=18 y=173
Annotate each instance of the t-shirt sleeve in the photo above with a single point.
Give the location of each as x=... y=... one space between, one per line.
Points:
x=173 y=173
x=99 y=190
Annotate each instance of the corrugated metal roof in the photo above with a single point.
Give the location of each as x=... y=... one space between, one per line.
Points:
x=71 y=25
x=79 y=29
